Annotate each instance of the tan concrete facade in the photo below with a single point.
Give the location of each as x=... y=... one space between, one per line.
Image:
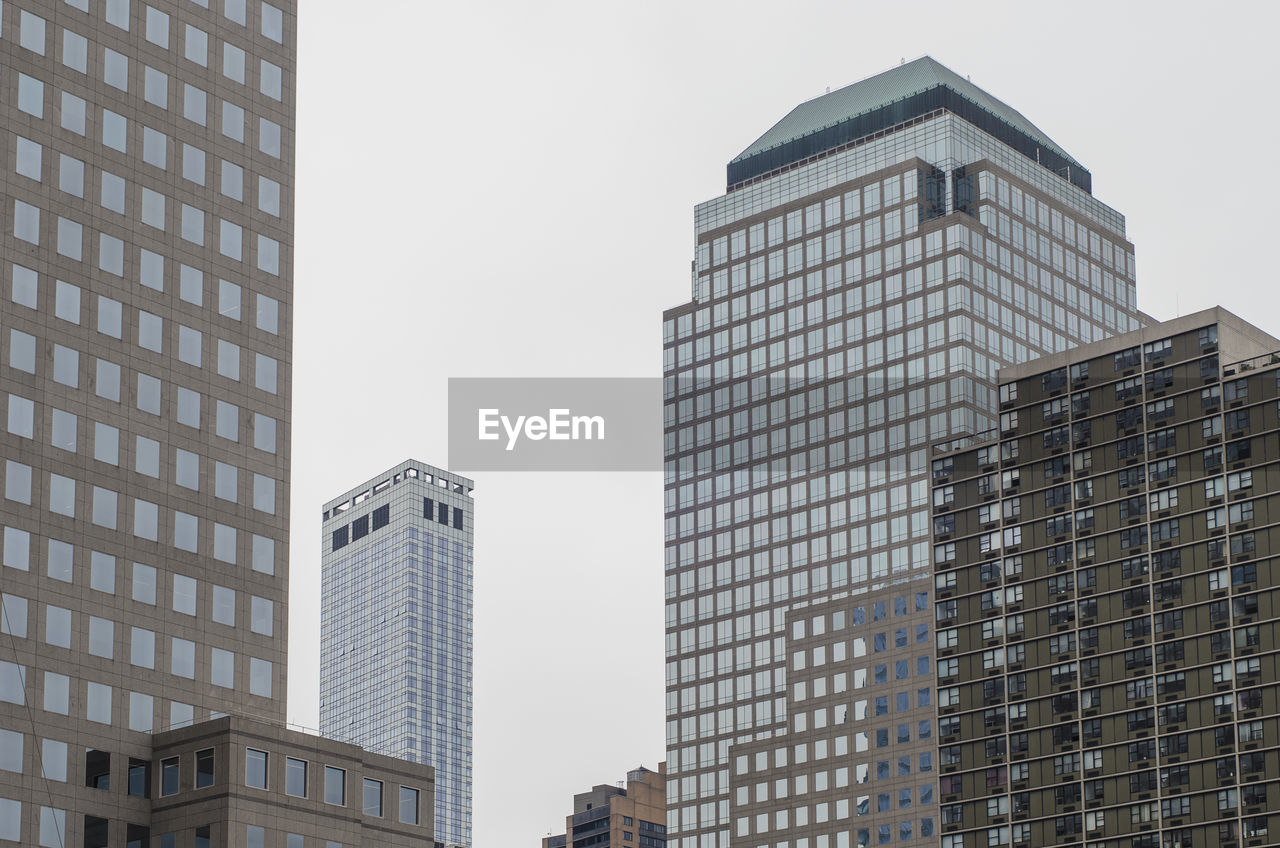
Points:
x=617 y=817
x=270 y=784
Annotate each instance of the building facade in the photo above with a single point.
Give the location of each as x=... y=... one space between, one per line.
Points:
x=147 y=229
x=1106 y=601
x=238 y=782
x=618 y=817
x=878 y=255
x=396 y=607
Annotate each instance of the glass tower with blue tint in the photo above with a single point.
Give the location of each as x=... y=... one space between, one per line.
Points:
x=877 y=256
x=396 y=628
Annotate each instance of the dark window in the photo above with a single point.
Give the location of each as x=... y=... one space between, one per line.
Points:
x=428 y=508
x=97 y=769
x=1130 y=417
x=935 y=192
x=381 y=517
x=443 y=516
x=1237 y=451
x=1132 y=537
x=457 y=518
x=340 y=537
x=202 y=836
x=360 y=528
x=1130 y=447
x=1128 y=358
x=95 y=832
x=139 y=778
x=1130 y=477
x=137 y=836
x=1161 y=379
x=204 y=768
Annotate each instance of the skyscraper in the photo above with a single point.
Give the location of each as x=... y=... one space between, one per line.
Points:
x=878 y=255
x=147 y=231
x=1105 y=597
x=396 y=627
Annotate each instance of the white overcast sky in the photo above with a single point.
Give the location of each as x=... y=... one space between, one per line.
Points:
x=507 y=189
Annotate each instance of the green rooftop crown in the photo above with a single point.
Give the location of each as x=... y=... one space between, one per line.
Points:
x=893 y=97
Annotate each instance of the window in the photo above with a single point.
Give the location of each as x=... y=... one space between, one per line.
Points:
x=295 y=777
x=97 y=769
x=372 y=797
x=255 y=768
x=335 y=786
x=204 y=768
x=169 y=776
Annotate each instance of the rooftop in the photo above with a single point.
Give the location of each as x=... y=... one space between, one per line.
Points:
x=898 y=95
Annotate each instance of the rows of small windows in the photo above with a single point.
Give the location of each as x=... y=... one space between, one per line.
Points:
x=902 y=188
x=150 y=334
x=1008 y=195
x=118 y=13
x=76 y=54
x=103 y=506
x=70 y=239
x=812 y=335
x=333 y=789
x=158 y=29
x=809 y=455
x=1082 y=305
x=1092 y=761
x=1149 y=355
x=1242 y=545
x=800 y=223
x=107 y=705
x=1140 y=817
x=743 y=569
x=68 y=305
x=901 y=830
x=101 y=702
x=1051 y=254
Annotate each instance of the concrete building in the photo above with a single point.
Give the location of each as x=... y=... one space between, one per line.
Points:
x=1106 y=599
x=147 y=231
x=286 y=789
x=396 y=627
x=877 y=256
x=618 y=817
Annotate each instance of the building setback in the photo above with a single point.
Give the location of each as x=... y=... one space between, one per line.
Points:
x=146 y=341
x=395 y=627
x=878 y=255
x=617 y=817
x=1106 y=601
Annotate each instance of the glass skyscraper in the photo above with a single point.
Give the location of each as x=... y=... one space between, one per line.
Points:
x=396 y=628
x=878 y=255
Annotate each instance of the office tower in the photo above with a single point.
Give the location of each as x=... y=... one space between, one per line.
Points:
x=147 y=224
x=1106 y=599
x=878 y=255
x=147 y=231
x=617 y=817
x=396 y=628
